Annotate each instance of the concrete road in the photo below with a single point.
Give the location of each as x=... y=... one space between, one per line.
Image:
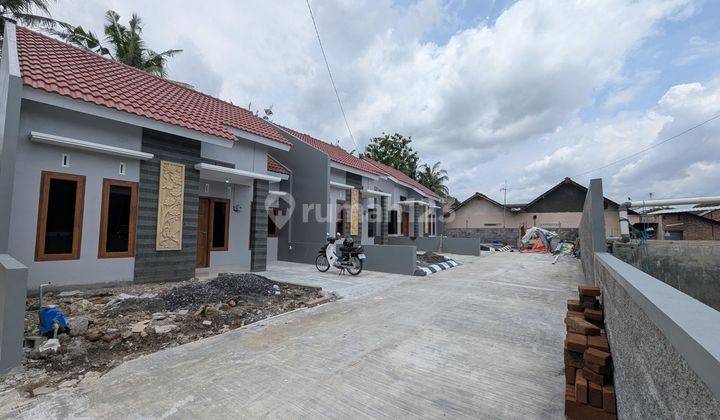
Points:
x=483 y=340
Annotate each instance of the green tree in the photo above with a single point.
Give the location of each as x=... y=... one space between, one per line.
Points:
x=124 y=43
x=394 y=151
x=22 y=11
x=434 y=179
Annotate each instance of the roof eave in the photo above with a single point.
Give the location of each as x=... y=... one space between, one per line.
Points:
x=38 y=95
x=245 y=135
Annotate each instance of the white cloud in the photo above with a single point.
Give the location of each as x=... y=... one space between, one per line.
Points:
x=495 y=95
x=686 y=166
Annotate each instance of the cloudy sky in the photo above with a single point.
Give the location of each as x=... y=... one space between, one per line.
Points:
x=527 y=91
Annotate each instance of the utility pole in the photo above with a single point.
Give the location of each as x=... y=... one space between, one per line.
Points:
x=504 y=190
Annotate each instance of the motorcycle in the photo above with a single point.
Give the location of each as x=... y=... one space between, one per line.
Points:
x=350 y=259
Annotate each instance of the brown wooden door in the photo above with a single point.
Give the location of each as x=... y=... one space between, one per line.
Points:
x=202 y=258
x=405 y=224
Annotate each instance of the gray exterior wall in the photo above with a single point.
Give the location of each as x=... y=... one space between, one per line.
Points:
x=152 y=265
x=10 y=91
x=13 y=290
x=398 y=259
x=300 y=240
x=33 y=158
x=692 y=267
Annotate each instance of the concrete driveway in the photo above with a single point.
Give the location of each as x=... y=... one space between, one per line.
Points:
x=483 y=340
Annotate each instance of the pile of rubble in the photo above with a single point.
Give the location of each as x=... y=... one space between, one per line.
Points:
x=589 y=393
x=429 y=258
x=111 y=325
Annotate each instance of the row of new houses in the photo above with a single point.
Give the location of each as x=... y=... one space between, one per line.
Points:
x=109 y=174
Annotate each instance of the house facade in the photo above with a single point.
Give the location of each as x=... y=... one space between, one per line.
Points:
x=335 y=192
x=109 y=174
x=560 y=209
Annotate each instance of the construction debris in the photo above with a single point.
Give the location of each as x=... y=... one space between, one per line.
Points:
x=589 y=393
x=111 y=325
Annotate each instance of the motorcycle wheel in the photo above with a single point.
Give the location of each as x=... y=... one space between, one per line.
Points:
x=322 y=264
x=356 y=266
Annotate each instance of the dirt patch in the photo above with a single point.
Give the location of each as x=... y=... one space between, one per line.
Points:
x=111 y=325
x=429 y=258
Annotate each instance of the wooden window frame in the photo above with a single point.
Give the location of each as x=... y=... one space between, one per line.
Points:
x=132 y=227
x=45 y=178
x=211 y=224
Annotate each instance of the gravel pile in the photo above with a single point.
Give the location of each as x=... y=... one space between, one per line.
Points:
x=193 y=295
x=431 y=258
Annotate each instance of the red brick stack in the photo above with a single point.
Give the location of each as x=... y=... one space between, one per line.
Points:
x=589 y=393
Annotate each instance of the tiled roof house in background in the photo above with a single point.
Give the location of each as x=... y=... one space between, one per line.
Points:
x=111 y=174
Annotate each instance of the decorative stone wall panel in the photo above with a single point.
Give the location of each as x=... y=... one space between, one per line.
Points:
x=170 y=206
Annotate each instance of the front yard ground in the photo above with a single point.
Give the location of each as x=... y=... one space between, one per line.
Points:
x=108 y=326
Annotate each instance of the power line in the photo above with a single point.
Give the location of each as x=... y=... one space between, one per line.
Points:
x=639 y=152
x=332 y=80
x=652 y=146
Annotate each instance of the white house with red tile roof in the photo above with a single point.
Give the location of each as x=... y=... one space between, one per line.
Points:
x=108 y=173
x=411 y=205
x=326 y=180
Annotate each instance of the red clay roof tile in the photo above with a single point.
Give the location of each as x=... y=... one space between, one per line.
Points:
x=402 y=177
x=56 y=67
x=336 y=153
x=275 y=166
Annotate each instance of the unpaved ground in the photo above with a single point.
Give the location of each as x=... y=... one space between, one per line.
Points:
x=112 y=325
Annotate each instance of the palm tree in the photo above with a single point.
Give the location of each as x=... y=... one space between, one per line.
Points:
x=434 y=178
x=22 y=11
x=126 y=43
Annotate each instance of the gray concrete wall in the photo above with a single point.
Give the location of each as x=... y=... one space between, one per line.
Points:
x=665 y=345
x=33 y=158
x=10 y=91
x=13 y=289
x=397 y=259
x=692 y=267
x=507 y=235
x=311 y=187
x=422 y=243
x=150 y=264
x=592 y=227
x=461 y=246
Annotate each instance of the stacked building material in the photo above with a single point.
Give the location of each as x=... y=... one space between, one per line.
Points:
x=589 y=392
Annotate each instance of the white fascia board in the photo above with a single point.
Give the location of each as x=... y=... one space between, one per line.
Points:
x=236 y=176
x=341 y=185
x=60 y=101
x=282 y=176
x=88 y=146
x=408 y=202
x=346 y=168
x=376 y=193
x=278 y=193
x=406 y=185
x=245 y=135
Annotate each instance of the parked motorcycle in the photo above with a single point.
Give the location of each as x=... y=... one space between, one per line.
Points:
x=351 y=256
